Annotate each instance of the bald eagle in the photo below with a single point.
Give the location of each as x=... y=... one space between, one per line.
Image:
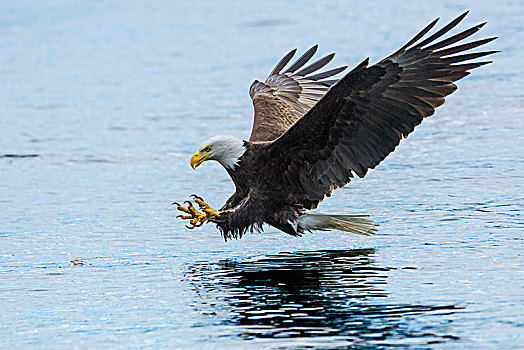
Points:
x=312 y=132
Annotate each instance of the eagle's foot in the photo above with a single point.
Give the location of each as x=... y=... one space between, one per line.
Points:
x=206 y=208
x=196 y=218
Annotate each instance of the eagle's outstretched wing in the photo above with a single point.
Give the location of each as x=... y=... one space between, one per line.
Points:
x=286 y=96
x=363 y=117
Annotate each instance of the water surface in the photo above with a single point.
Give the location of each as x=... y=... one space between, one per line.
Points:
x=101 y=106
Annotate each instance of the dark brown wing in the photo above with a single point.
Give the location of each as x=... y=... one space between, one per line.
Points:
x=363 y=117
x=286 y=96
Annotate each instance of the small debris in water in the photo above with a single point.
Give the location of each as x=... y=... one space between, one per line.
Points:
x=77 y=263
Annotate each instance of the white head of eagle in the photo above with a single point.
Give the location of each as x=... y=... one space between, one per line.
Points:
x=223 y=148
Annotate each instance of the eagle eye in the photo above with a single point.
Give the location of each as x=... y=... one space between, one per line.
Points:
x=207 y=149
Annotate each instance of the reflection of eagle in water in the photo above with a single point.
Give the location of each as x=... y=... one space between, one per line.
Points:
x=312 y=133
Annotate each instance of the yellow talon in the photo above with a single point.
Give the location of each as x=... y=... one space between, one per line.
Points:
x=206 y=208
x=197 y=218
x=211 y=212
x=181 y=208
x=185 y=217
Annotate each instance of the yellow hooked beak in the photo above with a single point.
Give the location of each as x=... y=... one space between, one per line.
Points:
x=198 y=158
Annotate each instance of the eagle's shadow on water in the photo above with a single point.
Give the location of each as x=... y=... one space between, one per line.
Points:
x=329 y=293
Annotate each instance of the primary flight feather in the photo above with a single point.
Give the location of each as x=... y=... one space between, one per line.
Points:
x=312 y=132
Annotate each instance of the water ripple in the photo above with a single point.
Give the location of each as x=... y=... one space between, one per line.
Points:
x=328 y=293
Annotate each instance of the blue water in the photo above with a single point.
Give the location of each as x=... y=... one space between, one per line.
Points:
x=108 y=100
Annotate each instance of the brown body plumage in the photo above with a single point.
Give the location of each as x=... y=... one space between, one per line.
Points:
x=311 y=135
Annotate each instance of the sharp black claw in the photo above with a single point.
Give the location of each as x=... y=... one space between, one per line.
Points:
x=188 y=203
x=176 y=203
x=178 y=216
x=194 y=196
x=190 y=227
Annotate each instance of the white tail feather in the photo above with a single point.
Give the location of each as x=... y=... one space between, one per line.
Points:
x=358 y=224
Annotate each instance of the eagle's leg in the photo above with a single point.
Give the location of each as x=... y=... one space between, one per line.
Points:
x=195 y=218
x=206 y=208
